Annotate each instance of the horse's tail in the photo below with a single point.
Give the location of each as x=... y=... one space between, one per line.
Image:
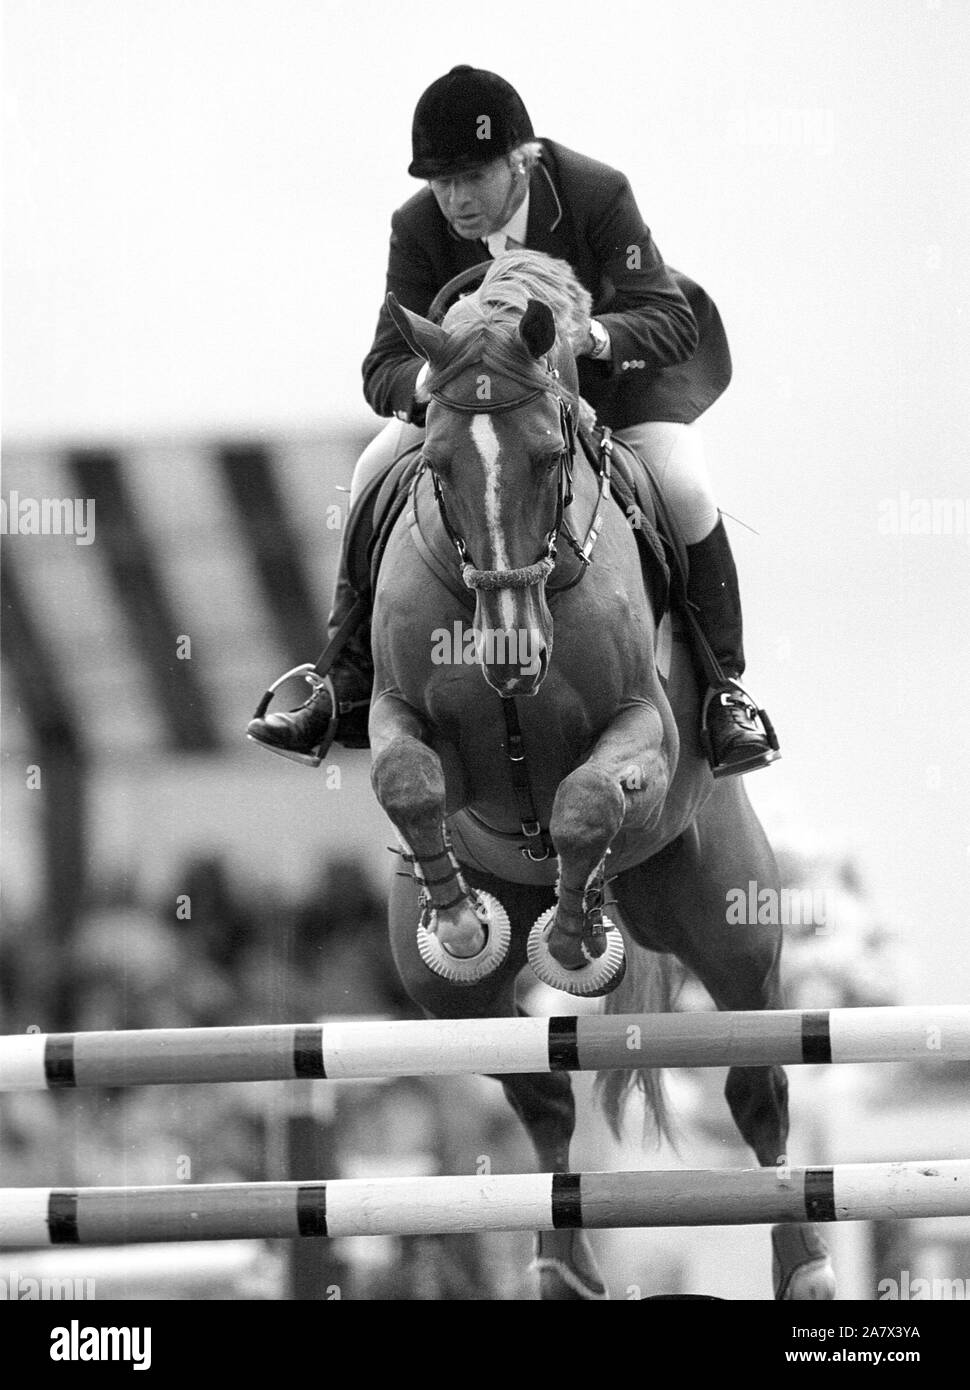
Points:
x=649 y=986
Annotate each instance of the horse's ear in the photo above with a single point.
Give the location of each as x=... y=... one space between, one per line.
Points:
x=425 y=339
x=537 y=328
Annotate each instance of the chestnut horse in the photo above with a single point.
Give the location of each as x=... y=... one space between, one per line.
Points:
x=533 y=753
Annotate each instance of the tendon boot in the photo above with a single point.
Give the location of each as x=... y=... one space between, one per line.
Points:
x=339 y=706
x=736 y=735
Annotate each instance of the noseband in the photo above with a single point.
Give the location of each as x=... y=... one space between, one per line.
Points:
x=529 y=575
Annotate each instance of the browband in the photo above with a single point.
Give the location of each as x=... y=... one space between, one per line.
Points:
x=488 y=407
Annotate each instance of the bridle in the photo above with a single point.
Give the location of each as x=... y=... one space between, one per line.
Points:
x=529 y=575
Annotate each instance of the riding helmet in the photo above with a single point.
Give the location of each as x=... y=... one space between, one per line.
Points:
x=466 y=118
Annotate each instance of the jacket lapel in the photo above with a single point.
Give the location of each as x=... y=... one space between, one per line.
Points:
x=546 y=229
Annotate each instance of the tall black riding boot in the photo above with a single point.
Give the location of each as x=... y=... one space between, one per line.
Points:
x=736 y=735
x=338 y=709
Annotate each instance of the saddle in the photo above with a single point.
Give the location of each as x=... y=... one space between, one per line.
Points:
x=373 y=519
x=636 y=493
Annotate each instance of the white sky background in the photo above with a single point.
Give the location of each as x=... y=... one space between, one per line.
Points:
x=196 y=208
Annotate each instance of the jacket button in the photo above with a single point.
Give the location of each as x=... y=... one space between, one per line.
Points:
x=625 y=366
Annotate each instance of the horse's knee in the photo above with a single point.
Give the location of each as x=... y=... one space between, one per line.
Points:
x=408 y=780
x=588 y=810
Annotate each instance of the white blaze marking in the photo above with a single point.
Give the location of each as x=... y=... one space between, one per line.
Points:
x=487 y=443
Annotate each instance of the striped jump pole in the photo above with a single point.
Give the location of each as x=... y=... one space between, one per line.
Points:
x=35 y=1216
x=452 y=1047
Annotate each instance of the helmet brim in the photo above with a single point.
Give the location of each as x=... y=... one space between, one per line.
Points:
x=443 y=169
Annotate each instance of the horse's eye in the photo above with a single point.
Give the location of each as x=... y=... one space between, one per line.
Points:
x=547 y=461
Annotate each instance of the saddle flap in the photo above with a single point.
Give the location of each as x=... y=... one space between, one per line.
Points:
x=639 y=500
x=372 y=519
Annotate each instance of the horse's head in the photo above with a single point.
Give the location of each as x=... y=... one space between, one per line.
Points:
x=499 y=443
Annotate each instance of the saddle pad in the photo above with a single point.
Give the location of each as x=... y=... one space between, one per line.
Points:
x=639 y=493
x=371 y=522
x=636 y=500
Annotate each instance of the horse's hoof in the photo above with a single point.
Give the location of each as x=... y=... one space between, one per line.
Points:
x=566 y=1267
x=800 y=1266
x=601 y=976
x=469 y=970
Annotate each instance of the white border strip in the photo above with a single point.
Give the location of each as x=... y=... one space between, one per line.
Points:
x=438 y=1047
x=443 y=1206
x=924 y=1034
x=22 y=1062
x=23 y=1216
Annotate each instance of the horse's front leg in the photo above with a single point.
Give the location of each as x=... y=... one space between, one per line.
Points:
x=624 y=781
x=463 y=934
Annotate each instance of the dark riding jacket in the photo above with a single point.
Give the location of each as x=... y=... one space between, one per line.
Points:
x=670 y=356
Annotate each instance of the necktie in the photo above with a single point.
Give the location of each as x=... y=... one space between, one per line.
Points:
x=510 y=245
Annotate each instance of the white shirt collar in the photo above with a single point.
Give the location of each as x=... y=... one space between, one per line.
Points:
x=516 y=227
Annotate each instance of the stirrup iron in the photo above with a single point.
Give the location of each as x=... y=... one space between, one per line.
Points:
x=316 y=757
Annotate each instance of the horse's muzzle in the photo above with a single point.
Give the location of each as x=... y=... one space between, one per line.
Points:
x=511 y=679
x=513 y=633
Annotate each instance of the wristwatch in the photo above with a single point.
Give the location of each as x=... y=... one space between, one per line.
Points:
x=599 y=340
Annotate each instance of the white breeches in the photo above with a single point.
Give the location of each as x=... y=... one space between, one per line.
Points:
x=676 y=454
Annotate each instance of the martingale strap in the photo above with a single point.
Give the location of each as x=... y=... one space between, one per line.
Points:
x=541 y=846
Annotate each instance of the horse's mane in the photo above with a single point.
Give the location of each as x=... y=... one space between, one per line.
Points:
x=482 y=326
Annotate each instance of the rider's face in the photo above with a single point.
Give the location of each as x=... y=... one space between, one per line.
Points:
x=478 y=201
